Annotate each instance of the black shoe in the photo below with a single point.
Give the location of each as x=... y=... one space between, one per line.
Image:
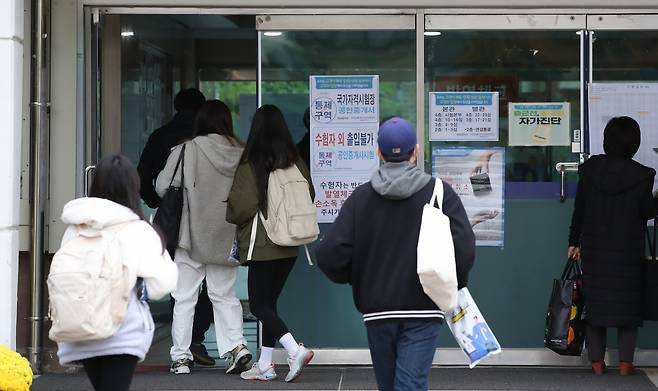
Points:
x=200 y=355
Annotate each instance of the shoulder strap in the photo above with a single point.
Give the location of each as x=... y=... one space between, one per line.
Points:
x=252 y=239
x=652 y=243
x=181 y=160
x=437 y=194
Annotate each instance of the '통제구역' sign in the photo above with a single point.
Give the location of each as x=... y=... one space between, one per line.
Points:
x=344 y=124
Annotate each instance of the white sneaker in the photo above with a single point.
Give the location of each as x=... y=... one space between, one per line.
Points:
x=256 y=374
x=181 y=366
x=298 y=362
x=238 y=359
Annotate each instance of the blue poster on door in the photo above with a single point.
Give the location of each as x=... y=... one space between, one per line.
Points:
x=477 y=175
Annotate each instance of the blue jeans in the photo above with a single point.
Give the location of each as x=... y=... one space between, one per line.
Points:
x=402 y=353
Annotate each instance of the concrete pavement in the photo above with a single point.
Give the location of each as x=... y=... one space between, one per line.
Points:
x=362 y=378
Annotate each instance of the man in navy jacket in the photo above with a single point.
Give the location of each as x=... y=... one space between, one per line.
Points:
x=372 y=246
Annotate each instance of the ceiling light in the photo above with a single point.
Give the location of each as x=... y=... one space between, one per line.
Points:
x=127 y=33
x=432 y=33
x=273 y=33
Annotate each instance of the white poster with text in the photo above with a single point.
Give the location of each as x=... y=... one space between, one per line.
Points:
x=463 y=116
x=344 y=124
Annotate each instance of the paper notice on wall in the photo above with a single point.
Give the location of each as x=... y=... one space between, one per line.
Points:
x=344 y=124
x=463 y=116
x=477 y=175
x=539 y=124
x=636 y=100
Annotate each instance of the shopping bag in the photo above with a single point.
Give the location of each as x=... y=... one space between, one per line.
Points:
x=435 y=251
x=651 y=278
x=169 y=214
x=565 y=319
x=470 y=330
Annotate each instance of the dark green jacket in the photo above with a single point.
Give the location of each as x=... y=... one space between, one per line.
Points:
x=242 y=207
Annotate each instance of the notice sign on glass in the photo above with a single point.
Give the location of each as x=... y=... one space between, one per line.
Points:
x=463 y=116
x=344 y=124
x=477 y=175
x=637 y=100
x=537 y=124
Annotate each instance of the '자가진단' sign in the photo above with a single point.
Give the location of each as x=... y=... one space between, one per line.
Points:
x=344 y=124
x=539 y=124
x=463 y=116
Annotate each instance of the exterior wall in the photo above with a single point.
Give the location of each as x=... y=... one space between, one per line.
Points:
x=63 y=97
x=11 y=78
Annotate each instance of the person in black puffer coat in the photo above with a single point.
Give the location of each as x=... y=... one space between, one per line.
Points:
x=613 y=204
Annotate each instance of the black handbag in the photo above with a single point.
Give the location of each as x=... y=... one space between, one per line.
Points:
x=168 y=216
x=651 y=278
x=565 y=319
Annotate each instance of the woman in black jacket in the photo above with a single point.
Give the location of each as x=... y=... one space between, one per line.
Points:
x=613 y=204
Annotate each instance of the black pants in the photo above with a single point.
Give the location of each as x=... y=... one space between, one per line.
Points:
x=203 y=315
x=265 y=283
x=110 y=373
x=597 y=338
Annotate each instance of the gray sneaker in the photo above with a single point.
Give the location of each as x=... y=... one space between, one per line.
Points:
x=298 y=362
x=181 y=366
x=238 y=359
x=256 y=374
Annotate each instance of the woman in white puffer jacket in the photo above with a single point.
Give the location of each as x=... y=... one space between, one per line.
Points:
x=114 y=199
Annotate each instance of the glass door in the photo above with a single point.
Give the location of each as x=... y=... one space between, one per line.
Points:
x=293 y=48
x=624 y=55
x=501 y=160
x=137 y=65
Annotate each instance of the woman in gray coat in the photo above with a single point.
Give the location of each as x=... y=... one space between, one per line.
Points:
x=205 y=238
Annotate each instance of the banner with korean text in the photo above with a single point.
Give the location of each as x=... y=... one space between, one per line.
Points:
x=344 y=123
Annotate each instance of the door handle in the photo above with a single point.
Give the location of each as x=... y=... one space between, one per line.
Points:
x=563 y=168
x=88 y=170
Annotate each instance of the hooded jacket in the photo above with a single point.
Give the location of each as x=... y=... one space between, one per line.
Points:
x=142 y=253
x=613 y=204
x=372 y=244
x=210 y=164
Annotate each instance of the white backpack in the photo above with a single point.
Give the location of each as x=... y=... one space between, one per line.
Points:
x=88 y=288
x=436 y=253
x=291 y=215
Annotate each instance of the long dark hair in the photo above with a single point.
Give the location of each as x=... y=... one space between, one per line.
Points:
x=269 y=147
x=214 y=117
x=116 y=179
x=621 y=137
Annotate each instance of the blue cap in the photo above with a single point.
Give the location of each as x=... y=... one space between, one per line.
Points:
x=397 y=137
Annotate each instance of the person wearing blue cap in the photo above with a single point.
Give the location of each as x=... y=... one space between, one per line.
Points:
x=372 y=246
